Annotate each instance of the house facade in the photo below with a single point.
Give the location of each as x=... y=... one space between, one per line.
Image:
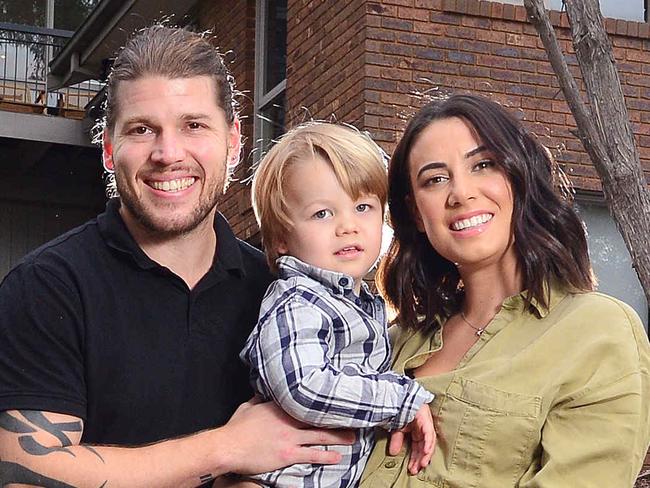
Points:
x=373 y=63
x=367 y=63
x=48 y=165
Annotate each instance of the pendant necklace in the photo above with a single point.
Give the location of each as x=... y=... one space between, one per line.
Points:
x=479 y=330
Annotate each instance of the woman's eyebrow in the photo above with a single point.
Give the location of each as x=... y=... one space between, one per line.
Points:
x=432 y=165
x=475 y=151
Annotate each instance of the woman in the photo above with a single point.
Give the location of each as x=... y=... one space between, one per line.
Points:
x=539 y=381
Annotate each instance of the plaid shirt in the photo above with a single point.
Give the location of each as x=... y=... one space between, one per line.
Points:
x=322 y=353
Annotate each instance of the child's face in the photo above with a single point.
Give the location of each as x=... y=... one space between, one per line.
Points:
x=330 y=229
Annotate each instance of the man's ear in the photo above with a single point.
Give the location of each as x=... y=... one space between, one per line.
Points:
x=234 y=143
x=107 y=152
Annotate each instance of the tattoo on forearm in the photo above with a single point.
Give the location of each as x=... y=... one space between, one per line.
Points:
x=96 y=454
x=31 y=446
x=12 y=473
x=55 y=429
x=28 y=443
x=14 y=425
x=206 y=477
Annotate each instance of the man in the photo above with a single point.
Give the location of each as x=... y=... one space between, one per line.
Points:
x=126 y=330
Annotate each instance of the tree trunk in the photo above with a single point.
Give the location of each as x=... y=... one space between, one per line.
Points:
x=603 y=126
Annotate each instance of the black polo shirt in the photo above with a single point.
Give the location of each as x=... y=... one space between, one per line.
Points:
x=91 y=327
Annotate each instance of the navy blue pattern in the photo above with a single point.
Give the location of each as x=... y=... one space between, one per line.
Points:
x=322 y=353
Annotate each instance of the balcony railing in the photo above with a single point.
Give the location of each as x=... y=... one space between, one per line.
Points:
x=25 y=53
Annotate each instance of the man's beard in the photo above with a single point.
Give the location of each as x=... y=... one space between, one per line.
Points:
x=161 y=226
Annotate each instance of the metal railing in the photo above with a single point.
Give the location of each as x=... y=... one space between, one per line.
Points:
x=25 y=53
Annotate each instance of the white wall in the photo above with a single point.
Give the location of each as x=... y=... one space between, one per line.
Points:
x=610 y=259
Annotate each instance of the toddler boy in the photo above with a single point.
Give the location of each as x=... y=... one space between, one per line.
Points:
x=320 y=349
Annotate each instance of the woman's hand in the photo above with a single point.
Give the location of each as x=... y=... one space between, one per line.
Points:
x=423 y=440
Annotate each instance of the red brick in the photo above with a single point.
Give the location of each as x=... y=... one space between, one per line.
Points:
x=444 y=18
x=637 y=55
x=473 y=7
x=429 y=4
x=509 y=12
x=413 y=14
x=479 y=23
x=428 y=28
x=450 y=5
x=485 y=8
x=521 y=15
x=497 y=10
x=644 y=30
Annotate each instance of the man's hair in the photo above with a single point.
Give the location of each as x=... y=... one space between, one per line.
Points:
x=549 y=237
x=170 y=52
x=358 y=163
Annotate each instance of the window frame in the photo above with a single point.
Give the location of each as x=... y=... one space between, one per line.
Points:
x=263 y=100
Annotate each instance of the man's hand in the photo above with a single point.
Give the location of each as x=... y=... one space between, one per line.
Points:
x=423 y=440
x=261 y=438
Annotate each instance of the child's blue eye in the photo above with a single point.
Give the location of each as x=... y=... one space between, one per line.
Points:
x=322 y=214
x=363 y=207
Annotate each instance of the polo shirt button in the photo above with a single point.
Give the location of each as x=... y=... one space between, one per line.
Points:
x=343 y=282
x=390 y=464
x=357 y=301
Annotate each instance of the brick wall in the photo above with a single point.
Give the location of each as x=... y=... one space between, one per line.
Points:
x=325 y=61
x=233 y=24
x=415 y=47
x=372 y=63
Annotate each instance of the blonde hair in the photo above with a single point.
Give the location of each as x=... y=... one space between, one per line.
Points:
x=358 y=163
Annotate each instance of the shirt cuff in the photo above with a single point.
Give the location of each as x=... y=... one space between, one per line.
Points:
x=415 y=398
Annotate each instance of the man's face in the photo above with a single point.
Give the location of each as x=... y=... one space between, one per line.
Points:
x=170 y=148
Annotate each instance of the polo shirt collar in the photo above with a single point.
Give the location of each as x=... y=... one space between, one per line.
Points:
x=116 y=235
x=338 y=283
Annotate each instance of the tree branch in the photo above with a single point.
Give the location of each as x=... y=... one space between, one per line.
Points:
x=603 y=127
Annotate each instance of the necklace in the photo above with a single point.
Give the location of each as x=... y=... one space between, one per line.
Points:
x=479 y=330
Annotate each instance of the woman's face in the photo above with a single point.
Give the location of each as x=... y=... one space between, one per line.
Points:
x=462 y=199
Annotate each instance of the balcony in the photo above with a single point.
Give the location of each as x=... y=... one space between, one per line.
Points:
x=25 y=54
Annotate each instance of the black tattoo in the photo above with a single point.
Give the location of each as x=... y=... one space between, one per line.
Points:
x=12 y=424
x=206 y=477
x=12 y=473
x=32 y=446
x=96 y=454
x=55 y=429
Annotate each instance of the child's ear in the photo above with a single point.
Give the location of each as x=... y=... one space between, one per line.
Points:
x=282 y=248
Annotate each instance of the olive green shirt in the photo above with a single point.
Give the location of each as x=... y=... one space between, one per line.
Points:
x=550 y=398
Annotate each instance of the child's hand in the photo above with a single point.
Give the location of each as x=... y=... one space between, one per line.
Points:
x=423 y=439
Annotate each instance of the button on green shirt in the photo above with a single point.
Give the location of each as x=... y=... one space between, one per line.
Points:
x=555 y=397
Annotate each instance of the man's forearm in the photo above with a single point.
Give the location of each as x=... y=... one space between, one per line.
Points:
x=184 y=462
x=42 y=449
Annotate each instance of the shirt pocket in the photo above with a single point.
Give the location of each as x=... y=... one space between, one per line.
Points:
x=484 y=435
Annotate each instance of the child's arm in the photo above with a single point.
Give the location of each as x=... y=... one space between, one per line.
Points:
x=423 y=440
x=290 y=356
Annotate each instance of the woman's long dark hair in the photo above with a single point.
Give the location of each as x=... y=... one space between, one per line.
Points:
x=550 y=240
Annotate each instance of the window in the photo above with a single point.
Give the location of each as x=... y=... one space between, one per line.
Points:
x=57 y=14
x=270 y=71
x=31 y=34
x=610 y=259
x=616 y=9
